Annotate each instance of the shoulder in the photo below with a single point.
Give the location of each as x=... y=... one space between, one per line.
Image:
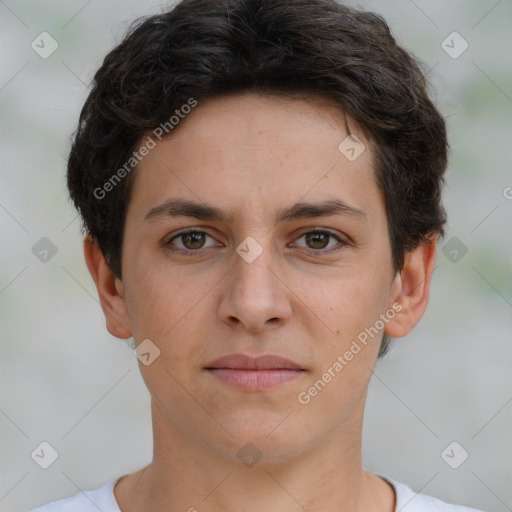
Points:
x=409 y=501
x=88 y=501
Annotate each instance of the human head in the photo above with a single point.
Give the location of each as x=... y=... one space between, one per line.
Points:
x=203 y=49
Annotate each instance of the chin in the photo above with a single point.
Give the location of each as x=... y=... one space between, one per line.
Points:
x=260 y=436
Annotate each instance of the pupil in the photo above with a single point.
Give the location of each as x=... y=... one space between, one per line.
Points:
x=314 y=237
x=196 y=240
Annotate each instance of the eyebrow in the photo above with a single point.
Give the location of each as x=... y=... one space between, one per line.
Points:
x=201 y=211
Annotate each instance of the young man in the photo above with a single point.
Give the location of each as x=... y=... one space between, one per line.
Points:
x=260 y=189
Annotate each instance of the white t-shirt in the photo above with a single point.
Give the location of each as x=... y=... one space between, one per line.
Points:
x=103 y=499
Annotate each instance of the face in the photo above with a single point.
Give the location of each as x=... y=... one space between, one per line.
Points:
x=290 y=256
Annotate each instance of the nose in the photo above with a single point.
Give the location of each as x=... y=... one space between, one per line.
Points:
x=255 y=296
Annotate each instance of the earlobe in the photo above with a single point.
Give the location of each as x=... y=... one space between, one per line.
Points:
x=110 y=290
x=411 y=288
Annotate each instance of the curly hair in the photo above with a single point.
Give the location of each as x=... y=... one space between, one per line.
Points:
x=208 y=48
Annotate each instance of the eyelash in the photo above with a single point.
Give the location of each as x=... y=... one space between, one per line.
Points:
x=194 y=252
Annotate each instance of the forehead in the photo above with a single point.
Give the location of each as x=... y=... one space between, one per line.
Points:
x=246 y=150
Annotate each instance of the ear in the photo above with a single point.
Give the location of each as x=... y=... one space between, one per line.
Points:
x=411 y=288
x=110 y=290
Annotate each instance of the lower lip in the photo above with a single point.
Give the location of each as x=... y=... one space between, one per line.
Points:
x=254 y=379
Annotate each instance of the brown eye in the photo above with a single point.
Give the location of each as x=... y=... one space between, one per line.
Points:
x=189 y=241
x=321 y=241
x=317 y=240
x=193 y=240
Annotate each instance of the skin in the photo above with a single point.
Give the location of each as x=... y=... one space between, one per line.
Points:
x=252 y=156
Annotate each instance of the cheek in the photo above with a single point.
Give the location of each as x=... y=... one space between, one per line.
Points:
x=349 y=303
x=158 y=300
x=347 y=355
x=174 y=310
x=351 y=309
x=167 y=309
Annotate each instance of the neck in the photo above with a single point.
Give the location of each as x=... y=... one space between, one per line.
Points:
x=188 y=476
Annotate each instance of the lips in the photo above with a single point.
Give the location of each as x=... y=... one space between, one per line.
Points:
x=254 y=373
x=243 y=362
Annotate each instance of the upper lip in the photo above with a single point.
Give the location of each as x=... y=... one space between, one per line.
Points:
x=244 y=362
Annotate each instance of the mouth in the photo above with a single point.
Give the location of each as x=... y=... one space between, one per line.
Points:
x=254 y=373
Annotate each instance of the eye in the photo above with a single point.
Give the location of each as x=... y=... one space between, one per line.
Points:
x=321 y=240
x=191 y=241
